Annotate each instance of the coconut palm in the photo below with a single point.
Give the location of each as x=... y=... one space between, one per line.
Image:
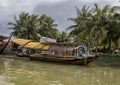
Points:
x=63 y=37
x=112 y=28
x=82 y=22
x=99 y=18
x=24 y=26
x=47 y=27
x=113 y=32
x=116 y=16
x=90 y=23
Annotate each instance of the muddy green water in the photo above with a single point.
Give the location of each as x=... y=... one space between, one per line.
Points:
x=25 y=72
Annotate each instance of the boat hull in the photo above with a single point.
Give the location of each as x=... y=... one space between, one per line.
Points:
x=67 y=60
x=23 y=55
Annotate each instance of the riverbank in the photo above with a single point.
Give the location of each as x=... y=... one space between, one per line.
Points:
x=108 y=60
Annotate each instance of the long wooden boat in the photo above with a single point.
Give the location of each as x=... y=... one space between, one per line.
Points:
x=72 y=53
x=65 y=59
x=3 y=46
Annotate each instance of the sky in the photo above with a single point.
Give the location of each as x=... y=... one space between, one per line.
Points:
x=59 y=10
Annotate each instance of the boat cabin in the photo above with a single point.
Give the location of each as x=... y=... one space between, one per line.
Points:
x=66 y=49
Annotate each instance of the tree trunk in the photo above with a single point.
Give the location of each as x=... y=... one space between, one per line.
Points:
x=109 y=46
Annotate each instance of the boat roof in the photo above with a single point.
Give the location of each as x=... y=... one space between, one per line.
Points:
x=47 y=46
x=21 y=42
x=30 y=44
x=66 y=43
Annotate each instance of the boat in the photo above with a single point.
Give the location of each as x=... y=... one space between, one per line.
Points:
x=70 y=53
x=3 y=46
x=74 y=53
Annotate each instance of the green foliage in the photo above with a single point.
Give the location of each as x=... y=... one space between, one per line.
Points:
x=24 y=26
x=110 y=58
x=33 y=27
x=99 y=26
x=47 y=27
x=100 y=49
x=63 y=37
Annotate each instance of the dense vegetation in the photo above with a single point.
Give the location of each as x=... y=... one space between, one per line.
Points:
x=32 y=27
x=98 y=26
x=108 y=60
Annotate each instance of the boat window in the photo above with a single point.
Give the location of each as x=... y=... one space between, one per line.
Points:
x=47 y=52
x=81 y=51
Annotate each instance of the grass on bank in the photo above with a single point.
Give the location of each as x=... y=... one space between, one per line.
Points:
x=108 y=59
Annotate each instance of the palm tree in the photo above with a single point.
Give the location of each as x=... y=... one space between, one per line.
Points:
x=47 y=27
x=90 y=23
x=112 y=28
x=32 y=27
x=63 y=37
x=24 y=26
x=99 y=19
x=83 y=23
x=116 y=16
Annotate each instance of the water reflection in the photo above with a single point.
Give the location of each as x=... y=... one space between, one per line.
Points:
x=24 y=72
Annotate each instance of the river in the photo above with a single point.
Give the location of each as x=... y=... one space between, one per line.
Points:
x=26 y=72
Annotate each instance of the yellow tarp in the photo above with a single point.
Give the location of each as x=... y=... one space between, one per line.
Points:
x=45 y=47
x=33 y=45
x=37 y=45
x=30 y=44
x=21 y=42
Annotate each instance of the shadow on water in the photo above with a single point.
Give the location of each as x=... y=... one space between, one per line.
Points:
x=25 y=72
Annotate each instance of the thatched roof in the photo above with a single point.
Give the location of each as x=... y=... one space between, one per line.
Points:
x=64 y=47
x=66 y=43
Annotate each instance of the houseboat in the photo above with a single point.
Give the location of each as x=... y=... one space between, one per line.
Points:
x=73 y=53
